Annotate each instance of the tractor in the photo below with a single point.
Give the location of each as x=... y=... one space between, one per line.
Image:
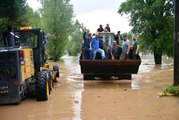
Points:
x=24 y=70
x=106 y=69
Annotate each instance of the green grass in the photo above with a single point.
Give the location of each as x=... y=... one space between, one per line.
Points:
x=172 y=89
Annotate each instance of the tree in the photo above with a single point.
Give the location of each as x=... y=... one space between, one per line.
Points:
x=11 y=12
x=56 y=19
x=32 y=18
x=75 y=38
x=153 y=20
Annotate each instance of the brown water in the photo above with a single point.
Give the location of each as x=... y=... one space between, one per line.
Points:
x=75 y=99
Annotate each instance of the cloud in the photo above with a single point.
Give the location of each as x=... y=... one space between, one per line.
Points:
x=92 y=20
x=34 y=4
x=92 y=13
x=83 y=6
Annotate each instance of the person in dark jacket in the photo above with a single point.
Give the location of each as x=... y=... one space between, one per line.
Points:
x=106 y=48
x=108 y=28
x=115 y=51
x=100 y=29
x=101 y=42
x=135 y=47
x=86 y=45
x=118 y=37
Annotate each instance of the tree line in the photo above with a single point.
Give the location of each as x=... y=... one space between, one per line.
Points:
x=55 y=17
x=152 y=19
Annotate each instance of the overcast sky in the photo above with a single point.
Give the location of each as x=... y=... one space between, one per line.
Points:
x=34 y=4
x=92 y=13
x=95 y=12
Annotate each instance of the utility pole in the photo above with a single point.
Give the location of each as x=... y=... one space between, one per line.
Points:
x=176 y=44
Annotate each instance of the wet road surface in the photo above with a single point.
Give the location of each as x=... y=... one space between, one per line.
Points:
x=75 y=99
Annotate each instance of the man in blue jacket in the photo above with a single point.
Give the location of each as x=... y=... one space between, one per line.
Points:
x=94 y=46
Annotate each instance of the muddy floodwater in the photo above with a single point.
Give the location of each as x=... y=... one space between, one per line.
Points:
x=75 y=99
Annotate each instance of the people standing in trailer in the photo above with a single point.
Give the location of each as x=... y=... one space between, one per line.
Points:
x=118 y=37
x=135 y=47
x=125 y=48
x=86 y=45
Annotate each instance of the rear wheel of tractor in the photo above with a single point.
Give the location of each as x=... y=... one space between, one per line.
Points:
x=19 y=100
x=55 y=68
x=50 y=81
x=42 y=87
x=50 y=85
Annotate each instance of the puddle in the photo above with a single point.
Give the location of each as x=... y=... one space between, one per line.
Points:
x=73 y=98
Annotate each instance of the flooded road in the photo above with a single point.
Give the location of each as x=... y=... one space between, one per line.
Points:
x=75 y=99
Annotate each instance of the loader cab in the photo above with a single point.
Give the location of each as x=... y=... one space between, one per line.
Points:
x=33 y=38
x=110 y=35
x=107 y=69
x=23 y=69
x=10 y=40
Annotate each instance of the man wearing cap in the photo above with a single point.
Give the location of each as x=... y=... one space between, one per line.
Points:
x=94 y=46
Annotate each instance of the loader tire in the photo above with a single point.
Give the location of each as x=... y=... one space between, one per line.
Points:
x=55 y=68
x=50 y=81
x=42 y=87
